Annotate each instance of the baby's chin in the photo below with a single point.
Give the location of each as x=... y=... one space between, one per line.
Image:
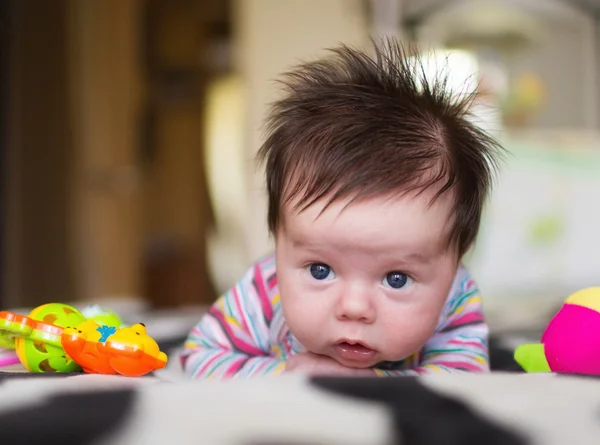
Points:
x=366 y=364
x=357 y=365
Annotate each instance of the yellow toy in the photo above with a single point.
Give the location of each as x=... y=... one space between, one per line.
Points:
x=99 y=349
x=57 y=337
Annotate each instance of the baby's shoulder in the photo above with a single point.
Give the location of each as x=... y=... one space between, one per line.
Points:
x=266 y=266
x=266 y=262
x=265 y=280
x=463 y=283
x=262 y=275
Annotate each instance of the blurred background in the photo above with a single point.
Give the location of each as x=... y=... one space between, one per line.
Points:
x=129 y=129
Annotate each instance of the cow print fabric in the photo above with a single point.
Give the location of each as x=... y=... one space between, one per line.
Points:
x=502 y=408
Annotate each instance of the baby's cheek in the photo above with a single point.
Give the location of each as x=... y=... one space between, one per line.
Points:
x=302 y=319
x=408 y=330
x=298 y=312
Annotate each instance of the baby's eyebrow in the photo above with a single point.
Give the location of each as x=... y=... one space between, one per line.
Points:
x=300 y=242
x=417 y=258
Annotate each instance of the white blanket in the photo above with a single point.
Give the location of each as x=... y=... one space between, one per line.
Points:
x=494 y=409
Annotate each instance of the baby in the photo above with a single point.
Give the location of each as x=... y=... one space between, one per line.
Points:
x=376 y=182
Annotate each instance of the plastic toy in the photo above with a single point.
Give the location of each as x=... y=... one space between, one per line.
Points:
x=101 y=316
x=8 y=358
x=36 y=337
x=100 y=349
x=56 y=337
x=571 y=341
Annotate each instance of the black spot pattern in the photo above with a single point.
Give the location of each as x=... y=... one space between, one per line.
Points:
x=81 y=418
x=422 y=417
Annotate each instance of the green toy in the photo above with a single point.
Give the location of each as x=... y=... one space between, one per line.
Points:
x=36 y=338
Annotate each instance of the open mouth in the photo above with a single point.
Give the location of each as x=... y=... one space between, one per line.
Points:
x=354 y=350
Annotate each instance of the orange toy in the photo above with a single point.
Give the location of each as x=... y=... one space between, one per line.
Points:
x=106 y=350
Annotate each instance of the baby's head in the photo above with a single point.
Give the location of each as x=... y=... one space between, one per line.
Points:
x=376 y=184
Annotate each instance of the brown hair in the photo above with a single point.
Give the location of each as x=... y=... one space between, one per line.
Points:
x=357 y=126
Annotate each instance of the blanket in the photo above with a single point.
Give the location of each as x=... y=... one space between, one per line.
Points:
x=493 y=409
x=505 y=407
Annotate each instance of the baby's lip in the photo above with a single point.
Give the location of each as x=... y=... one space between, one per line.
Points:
x=351 y=342
x=354 y=350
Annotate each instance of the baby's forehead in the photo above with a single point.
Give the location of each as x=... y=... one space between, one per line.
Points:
x=372 y=220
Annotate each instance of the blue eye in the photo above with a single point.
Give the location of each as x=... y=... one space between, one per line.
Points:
x=321 y=271
x=396 y=280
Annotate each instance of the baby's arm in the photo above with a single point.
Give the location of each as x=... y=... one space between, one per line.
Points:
x=460 y=342
x=232 y=339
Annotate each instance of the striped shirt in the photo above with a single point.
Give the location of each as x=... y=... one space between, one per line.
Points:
x=244 y=333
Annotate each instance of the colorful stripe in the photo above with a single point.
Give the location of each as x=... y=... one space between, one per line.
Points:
x=244 y=333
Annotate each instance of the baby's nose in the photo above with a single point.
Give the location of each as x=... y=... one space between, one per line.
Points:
x=356 y=304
